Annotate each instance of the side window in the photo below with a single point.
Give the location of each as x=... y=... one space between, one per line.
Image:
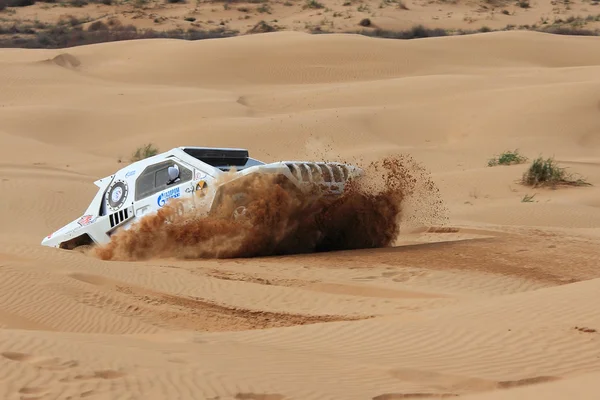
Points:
x=155 y=177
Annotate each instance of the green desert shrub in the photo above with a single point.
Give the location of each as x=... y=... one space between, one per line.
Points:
x=546 y=172
x=145 y=151
x=507 y=158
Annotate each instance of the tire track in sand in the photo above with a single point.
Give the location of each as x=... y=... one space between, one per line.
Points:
x=193 y=313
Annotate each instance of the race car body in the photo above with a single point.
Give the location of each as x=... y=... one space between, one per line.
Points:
x=146 y=186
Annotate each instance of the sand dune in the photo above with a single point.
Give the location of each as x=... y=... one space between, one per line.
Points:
x=502 y=304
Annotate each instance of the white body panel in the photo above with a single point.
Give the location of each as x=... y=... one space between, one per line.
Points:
x=144 y=187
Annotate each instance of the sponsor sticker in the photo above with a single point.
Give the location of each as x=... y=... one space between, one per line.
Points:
x=70 y=232
x=117 y=194
x=86 y=220
x=199 y=174
x=200 y=186
x=169 y=194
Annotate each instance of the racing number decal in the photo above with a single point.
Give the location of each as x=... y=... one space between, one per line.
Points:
x=117 y=194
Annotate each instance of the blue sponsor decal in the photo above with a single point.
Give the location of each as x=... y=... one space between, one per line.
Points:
x=169 y=194
x=130 y=173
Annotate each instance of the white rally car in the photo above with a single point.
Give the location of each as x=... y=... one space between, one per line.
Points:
x=145 y=186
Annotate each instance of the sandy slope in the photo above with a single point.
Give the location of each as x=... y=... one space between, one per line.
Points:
x=508 y=298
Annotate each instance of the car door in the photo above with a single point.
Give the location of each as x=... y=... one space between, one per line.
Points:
x=153 y=189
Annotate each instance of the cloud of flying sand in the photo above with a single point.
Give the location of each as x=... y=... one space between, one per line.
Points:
x=281 y=220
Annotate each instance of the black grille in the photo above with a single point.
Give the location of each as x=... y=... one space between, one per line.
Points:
x=294 y=170
x=331 y=173
x=325 y=172
x=337 y=173
x=119 y=217
x=219 y=157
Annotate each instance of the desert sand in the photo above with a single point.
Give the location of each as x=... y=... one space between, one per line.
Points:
x=502 y=303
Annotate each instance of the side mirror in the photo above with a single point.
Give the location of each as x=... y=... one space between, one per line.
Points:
x=173 y=173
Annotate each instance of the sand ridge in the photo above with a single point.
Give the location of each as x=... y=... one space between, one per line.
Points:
x=498 y=301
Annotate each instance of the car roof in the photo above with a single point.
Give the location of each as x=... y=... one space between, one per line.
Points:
x=218 y=158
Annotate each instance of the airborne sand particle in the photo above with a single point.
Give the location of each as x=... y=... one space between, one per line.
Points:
x=282 y=220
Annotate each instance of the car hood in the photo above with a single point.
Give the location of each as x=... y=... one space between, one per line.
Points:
x=67 y=232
